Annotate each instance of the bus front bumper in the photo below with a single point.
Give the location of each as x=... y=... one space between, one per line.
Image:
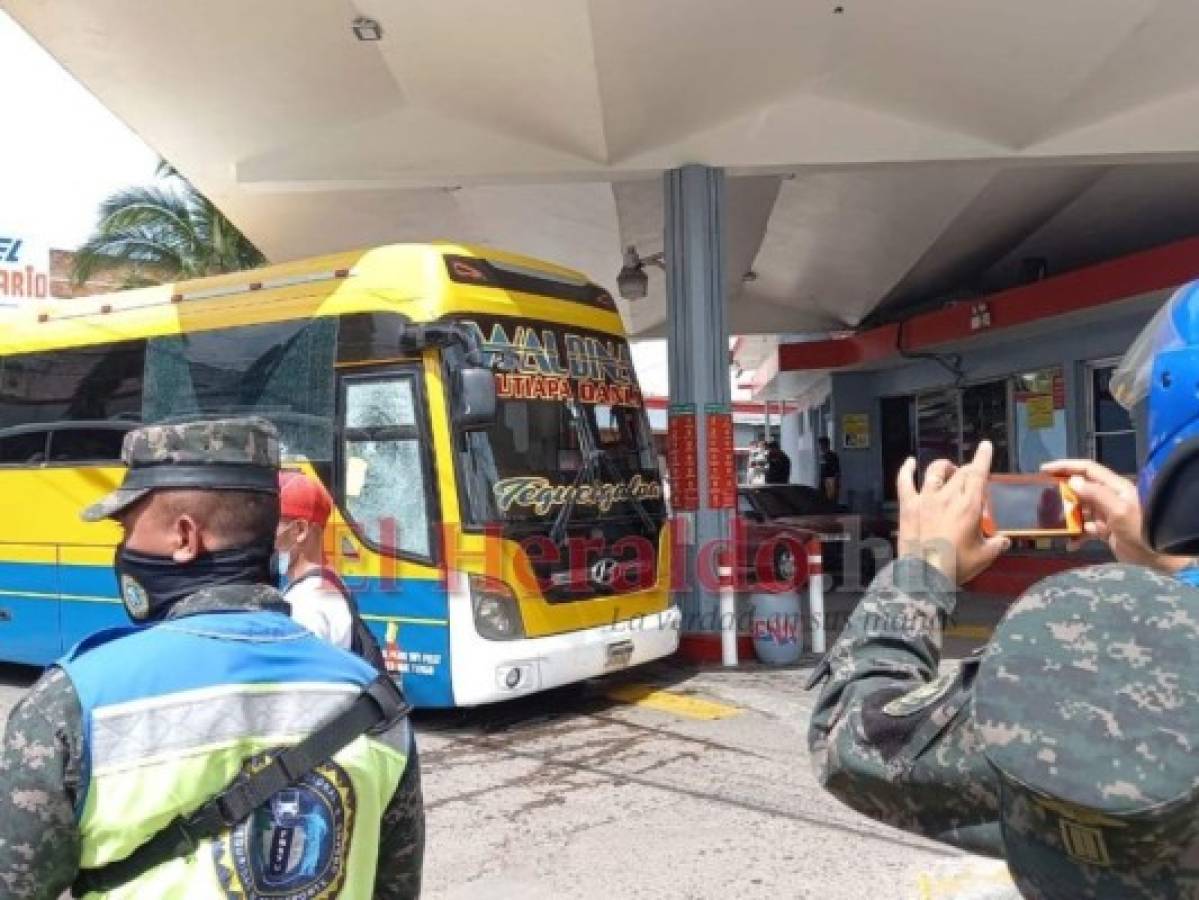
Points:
x=488 y=671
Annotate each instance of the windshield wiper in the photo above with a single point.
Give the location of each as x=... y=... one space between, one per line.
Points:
x=590 y=458
x=636 y=502
x=595 y=458
x=602 y=456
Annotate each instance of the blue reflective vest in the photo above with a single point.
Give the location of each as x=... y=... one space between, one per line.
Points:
x=174 y=712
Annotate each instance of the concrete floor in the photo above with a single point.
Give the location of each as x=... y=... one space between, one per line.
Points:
x=625 y=787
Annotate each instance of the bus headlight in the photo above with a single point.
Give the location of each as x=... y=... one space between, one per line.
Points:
x=497 y=612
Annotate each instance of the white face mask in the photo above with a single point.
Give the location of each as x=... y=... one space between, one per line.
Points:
x=282 y=564
x=282 y=558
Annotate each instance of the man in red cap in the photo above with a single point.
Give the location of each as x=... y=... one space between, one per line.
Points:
x=319 y=600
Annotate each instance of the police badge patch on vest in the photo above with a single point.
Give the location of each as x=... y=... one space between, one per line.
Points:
x=137 y=601
x=294 y=846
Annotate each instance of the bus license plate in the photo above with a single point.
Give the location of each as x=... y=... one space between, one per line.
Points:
x=618 y=655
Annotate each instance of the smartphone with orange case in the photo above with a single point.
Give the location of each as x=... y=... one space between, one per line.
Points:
x=1030 y=506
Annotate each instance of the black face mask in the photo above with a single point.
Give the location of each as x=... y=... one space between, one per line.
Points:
x=151 y=585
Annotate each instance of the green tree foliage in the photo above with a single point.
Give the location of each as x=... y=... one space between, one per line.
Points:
x=163 y=232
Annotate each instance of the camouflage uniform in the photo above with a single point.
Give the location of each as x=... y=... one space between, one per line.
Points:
x=1065 y=746
x=42 y=757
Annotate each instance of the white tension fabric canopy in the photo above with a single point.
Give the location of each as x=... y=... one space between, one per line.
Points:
x=879 y=152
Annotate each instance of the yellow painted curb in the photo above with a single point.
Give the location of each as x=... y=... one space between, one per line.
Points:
x=665 y=701
x=978 y=880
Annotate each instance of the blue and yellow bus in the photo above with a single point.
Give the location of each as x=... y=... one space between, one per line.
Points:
x=475 y=415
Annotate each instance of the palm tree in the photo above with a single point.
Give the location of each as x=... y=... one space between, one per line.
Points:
x=169 y=231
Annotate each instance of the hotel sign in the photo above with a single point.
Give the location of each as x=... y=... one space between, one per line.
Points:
x=24 y=267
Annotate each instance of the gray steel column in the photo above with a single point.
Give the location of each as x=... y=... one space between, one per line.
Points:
x=697 y=352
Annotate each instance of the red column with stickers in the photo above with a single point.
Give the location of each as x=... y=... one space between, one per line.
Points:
x=682 y=457
x=722 y=468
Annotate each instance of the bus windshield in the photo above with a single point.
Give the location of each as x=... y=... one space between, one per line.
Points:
x=571 y=431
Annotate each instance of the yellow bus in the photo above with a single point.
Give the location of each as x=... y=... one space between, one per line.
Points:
x=475 y=414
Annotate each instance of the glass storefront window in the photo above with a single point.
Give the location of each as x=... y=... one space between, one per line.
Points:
x=1040 y=417
x=984 y=417
x=1111 y=434
x=938 y=427
x=1023 y=415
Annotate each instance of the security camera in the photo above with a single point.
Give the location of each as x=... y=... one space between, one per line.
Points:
x=632 y=282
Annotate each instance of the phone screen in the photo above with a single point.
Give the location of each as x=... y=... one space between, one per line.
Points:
x=1027 y=506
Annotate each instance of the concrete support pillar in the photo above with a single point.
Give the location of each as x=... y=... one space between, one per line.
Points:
x=698 y=356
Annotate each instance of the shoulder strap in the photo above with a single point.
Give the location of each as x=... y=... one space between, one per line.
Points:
x=364 y=644
x=380 y=702
x=362 y=639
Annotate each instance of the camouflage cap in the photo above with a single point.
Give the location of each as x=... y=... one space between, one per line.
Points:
x=1087 y=702
x=214 y=454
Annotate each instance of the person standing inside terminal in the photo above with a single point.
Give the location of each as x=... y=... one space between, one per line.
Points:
x=778 y=464
x=178 y=757
x=1065 y=745
x=830 y=470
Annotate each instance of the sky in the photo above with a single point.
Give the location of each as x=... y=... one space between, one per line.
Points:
x=68 y=153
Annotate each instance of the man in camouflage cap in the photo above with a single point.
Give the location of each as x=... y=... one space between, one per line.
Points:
x=110 y=766
x=224 y=454
x=1087 y=705
x=1063 y=746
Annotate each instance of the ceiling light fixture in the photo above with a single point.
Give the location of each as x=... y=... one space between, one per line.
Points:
x=367 y=29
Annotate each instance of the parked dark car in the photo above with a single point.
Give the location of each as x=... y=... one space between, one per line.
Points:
x=771 y=556
x=807 y=509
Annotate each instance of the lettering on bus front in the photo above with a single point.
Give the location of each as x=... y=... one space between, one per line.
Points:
x=541 y=495
x=571 y=443
x=593 y=370
x=569 y=468
x=511 y=386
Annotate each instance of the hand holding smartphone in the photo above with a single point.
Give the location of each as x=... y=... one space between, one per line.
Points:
x=1030 y=506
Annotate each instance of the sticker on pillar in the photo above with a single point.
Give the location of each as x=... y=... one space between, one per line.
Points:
x=855 y=431
x=722 y=466
x=682 y=449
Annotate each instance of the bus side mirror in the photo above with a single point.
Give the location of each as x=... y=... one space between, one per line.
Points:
x=474 y=401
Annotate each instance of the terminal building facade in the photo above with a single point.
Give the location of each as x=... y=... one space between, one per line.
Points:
x=1027 y=368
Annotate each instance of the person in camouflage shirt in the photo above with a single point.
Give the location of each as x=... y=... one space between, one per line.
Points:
x=199 y=506
x=1063 y=746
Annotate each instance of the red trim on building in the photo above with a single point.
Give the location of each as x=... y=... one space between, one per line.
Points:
x=1087 y=288
x=704 y=647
